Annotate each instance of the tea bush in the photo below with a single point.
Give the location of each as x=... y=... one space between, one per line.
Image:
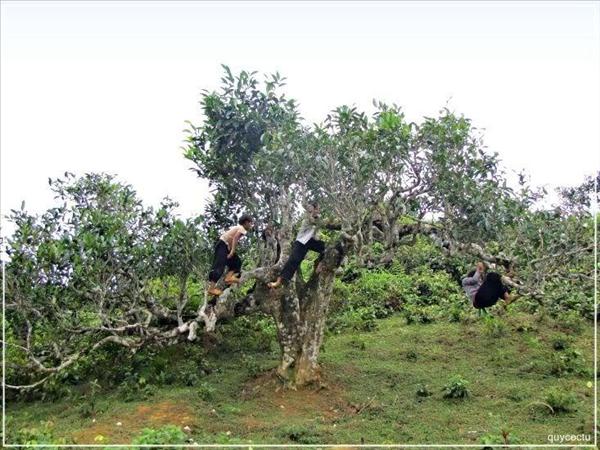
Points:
x=456 y=388
x=560 y=401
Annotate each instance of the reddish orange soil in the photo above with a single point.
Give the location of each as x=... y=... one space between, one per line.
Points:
x=324 y=401
x=144 y=416
x=266 y=394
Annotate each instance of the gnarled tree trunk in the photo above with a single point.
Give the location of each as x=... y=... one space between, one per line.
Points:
x=300 y=311
x=298 y=308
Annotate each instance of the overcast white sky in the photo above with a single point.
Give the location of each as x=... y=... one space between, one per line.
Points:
x=107 y=86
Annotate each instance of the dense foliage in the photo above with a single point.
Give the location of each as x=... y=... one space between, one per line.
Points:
x=100 y=276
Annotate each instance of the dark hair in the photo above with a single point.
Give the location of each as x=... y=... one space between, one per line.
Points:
x=245 y=218
x=471 y=273
x=492 y=287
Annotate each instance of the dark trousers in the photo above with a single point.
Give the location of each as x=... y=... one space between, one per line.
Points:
x=299 y=251
x=489 y=293
x=220 y=261
x=482 y=300
x=487 y=297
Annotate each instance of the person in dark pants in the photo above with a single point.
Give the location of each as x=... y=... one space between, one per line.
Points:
x=484 y=290
x=307 y=239
x=225 y=255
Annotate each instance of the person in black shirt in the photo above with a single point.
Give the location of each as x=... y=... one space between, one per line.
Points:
x=485 y=289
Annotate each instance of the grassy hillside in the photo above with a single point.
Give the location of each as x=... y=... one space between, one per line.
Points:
x=524 y=376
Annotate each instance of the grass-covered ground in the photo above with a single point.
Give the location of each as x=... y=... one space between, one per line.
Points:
x=527 y=377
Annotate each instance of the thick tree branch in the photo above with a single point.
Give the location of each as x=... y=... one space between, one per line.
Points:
x=129 y=343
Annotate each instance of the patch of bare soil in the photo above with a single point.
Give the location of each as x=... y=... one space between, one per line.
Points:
x=144 y=416
x=325 y=400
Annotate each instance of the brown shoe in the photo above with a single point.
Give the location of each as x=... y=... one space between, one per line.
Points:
x=216 y=292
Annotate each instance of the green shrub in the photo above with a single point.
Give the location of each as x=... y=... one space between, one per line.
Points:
x=35 y=436
x=436 y=288
x=164 y=378
x=568 y=362
x=362 y=296
x=456 y=313
x=136 y=388
x=169 y=434
x=341 y=295
x=560 y=401
x=411 y=355
x=567 y=298
x=350 y=274
x=382 y=289
x=422 y=391
x=88 y=406
x=500 y=437
x=56 y=388
x=420 y=314
x=422 y=253
x=248 y=334
x=206 y=391
x=359 y=319
x=456 y=388
x=252 y=366
x=190 y=378
x=189 y=374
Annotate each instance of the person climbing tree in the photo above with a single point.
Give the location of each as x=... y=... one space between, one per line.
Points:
x=307 y=239
x=485 y=289
x=225 y=255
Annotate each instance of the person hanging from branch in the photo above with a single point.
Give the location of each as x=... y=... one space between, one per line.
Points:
x=307 y=239
x=225 y=255
x=484 y=289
